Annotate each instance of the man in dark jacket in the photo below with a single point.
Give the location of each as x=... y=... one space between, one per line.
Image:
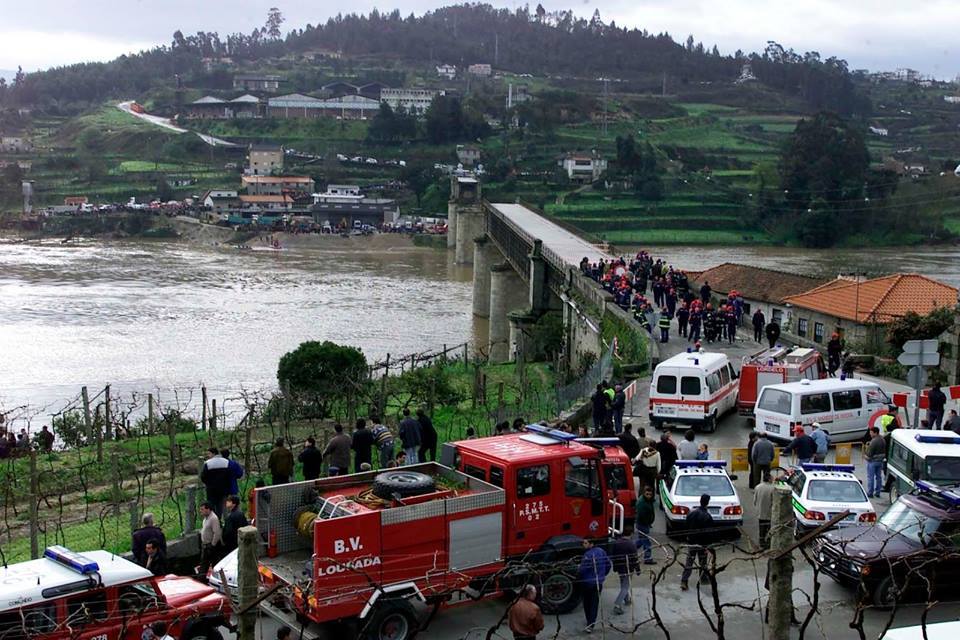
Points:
x=339 y=451
x=236 y=472
x=758 y=322
x=834 y=353
x=215 y=476
x=410 y=437
x=938 y=401
x=623 y=553
x=646 y=514
x=629 y=442
x=311 y=459
x=362 y=445
x=599 y=405
x=280 y=463
x=156 y=558
x=803 y=445
x=428 y=437
x=667 y=451
x=593 y=570
x=699 y=524
x=145 y=534
x=618 y=405
x=705 y=292
x=233 y=520
x=773 y=333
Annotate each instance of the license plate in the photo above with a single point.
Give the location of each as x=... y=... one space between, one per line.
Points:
x=772 y=428
x=667 y=410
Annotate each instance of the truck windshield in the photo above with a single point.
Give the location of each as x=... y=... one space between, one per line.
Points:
x=699 y=485
x=943 y=469
x=911 y=524
x=836 y=491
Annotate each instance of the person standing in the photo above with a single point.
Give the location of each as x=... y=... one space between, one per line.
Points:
x=147 y=532
x=803 y=445
x=211 y=539
x=687 y=449
x=618 y=405
x=646 y=467
x=339 y=451
x=876 y=456
x=696 y=320
x=667 y=451
x=525 y=618
x=763 y=501
x=362 y=444
x=383 y=438
x=236 y=472
x=699 y=522
x=762 y=455
x=758 y=323
x=683 y=318
x=938 y=401
x=773 y=333
x=705 y=292
x=428 y=437
x=834 y=352
x=215 y=476
x=629 y=442
x=646 y=514
x=156 y=558
x=751 y=440
x=280 y=463
x=593 y=570
x=598 y=408
x=410 y=437
x=664 y=324
x=623 y=552
x=311 y=459
x=46 y=439
x=233 y=520
x=822 y=440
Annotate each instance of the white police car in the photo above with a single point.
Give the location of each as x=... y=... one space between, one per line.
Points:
x=687 y=480
x=822 y=491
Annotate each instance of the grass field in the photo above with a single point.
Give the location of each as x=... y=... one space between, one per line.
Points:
x=684 y=236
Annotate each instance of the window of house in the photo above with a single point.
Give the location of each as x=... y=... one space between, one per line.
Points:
x=667 y=384
x=847 y=400
x=802 y=327
x=818 y=332
x=814 y=403
x=777 y=316
x=533 y=481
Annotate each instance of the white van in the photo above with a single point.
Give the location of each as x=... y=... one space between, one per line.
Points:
x=842 y=407
x=692 y=388
x=921 y=454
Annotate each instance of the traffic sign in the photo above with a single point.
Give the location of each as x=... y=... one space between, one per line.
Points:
x=921 y=346
x=925 y=359
x=917 y=377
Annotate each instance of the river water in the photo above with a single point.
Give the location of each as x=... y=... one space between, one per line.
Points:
x=166 y=316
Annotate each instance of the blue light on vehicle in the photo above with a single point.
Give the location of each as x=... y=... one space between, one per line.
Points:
x=701 y=464
x=71 y=560
x=951 y=497
x=556 y=434
x=818 y=466
x=932 y=439
x=600 y=441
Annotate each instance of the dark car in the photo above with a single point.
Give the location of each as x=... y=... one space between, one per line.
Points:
x=916 y=542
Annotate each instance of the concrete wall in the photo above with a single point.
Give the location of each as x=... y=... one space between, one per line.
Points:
x=470 y=224
x=451 y=225
x=508 y=292
x=484 y=257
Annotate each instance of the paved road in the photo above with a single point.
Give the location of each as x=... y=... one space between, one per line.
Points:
x=167 y=124
x=566 y=245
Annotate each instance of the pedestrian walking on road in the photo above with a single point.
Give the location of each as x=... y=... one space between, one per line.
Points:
x=618 y=405
x=687 y=449
x=664 y=324
x=311 y=459
x=594 y=567
x=623 y=553
x=646 y=514
x=599 y=407
x=280 y=463
x=820 y=437
x=410 y=438
x=772 y=331
x=751 y=440
x=525 y=618
x=876 y=456
x=758 y=323
x=937 y=401
x=762 y=455
x=683 y=319
x=763 y=501
x=699 y=523
x=696 y=321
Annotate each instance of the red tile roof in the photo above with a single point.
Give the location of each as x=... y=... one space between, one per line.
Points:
x=879 y=300
x=276 y=179
x=755 y=283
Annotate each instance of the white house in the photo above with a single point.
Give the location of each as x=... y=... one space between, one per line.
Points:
x=412 y=100
x=447 y=71
x=583 y=167
x=879 y=131
x=483 y=70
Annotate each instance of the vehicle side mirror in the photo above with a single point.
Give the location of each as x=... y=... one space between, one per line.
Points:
x=733 y=476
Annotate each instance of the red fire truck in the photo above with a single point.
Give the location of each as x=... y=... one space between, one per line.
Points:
x=374 y=549
x=775 y=366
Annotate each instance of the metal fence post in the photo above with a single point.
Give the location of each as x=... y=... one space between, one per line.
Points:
x=134 y=515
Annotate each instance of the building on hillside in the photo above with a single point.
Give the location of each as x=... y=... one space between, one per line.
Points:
x=75 y=201
x=319 y=55
x=879 y=131
x=860 y=309
x=763 y=289
x=276 y=185
x=583 y=167
x=247 y=106
x=253 y=82
x=346 y=207
x=264 y=159
x=268 y=202
x=15 y=144
x=447 y=71
x=339 y=193
x=952 y=99
x=746 y=74
x=468 y=154
x=210 y=107
x=481 y=70
x=346 y=107
x=220 y=200
x=372 y=90
x=517 y=95
x=339 y=88
x=411 y=100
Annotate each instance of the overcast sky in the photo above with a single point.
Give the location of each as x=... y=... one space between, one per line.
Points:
x=874 y=34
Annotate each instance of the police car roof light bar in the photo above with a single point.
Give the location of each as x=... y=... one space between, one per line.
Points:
x=819 y=466
x=701 y=464
x=71 y=560
x=932 y=439
x=928 y=487
x=601 y=441
x=556 y=434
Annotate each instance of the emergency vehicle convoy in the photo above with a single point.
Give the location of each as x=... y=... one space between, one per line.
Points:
x=775 y=366
x=687 y=480
x=821 y=491
x=695 y=388
x=100 y=596
x=370 y=549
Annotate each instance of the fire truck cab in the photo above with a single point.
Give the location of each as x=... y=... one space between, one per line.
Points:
x=776 y=366
x=372 y=548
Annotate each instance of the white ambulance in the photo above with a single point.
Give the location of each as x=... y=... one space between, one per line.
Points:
x=694 y=388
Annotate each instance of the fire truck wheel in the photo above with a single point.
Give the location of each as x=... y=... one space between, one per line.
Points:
x=391 y=620
x=402 y=483
x=559 y=593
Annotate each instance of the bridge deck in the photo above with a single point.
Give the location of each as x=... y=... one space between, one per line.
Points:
x=565 y=245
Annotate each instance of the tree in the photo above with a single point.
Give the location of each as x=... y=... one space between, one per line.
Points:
x=418 y=178
x=323 y=374
x=274 y=20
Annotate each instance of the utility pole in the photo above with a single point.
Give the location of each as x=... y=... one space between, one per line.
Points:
x=663 y=85
x=247 y=581
x=605 y=97
x=496 y=49
x=780 y=568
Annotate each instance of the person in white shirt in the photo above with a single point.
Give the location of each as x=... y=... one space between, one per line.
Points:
x=211 y=539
